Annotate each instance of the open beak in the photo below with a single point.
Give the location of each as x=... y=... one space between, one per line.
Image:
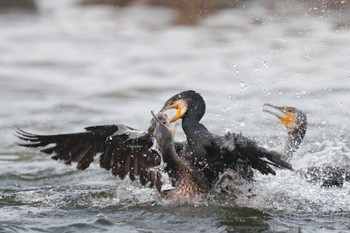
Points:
x=180 y=107
x=281 y=113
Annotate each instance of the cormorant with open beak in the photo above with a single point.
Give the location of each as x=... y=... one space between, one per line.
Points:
x=295 y=122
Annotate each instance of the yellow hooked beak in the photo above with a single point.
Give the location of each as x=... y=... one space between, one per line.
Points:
x=178 y=112
x=180 y=106
x=286 y=117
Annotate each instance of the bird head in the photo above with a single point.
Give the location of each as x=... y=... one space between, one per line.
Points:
x=184 y=102
x=162 y=127
x=292 y=118
x=296 y=123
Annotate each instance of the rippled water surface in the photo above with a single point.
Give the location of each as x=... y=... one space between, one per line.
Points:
x=70 y=67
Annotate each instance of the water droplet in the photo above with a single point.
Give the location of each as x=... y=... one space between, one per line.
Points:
x=243 y=86
x=265 y=64
x=226 y=109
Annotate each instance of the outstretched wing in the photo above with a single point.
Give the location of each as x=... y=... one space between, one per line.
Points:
x=233 y=147
x=122 y=150
x=77 y=147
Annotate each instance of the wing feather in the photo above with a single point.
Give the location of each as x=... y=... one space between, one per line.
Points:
x=122 y=150
x=234 y=147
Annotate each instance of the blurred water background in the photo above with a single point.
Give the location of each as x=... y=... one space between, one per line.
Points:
x=66 y=65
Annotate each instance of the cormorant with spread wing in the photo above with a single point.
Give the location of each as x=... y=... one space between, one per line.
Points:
x=214 y=154
x=296 y=123
x=193 y=166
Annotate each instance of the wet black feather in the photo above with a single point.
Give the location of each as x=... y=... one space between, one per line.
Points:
x=118 y=152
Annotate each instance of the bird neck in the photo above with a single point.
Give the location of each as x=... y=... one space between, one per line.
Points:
x=293 y=142
x=193 y=115
x=196 y=133
x=171 y=158
x=167 y=148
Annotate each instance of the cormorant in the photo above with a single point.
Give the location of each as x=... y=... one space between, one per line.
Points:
x=214 y=154
x=193 y=167
x=296 y=123
x=190 y=181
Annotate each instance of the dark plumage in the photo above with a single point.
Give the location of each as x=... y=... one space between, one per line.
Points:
x=122 y=150
x=213 y=154
x=190 y=180
x=193 y=166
